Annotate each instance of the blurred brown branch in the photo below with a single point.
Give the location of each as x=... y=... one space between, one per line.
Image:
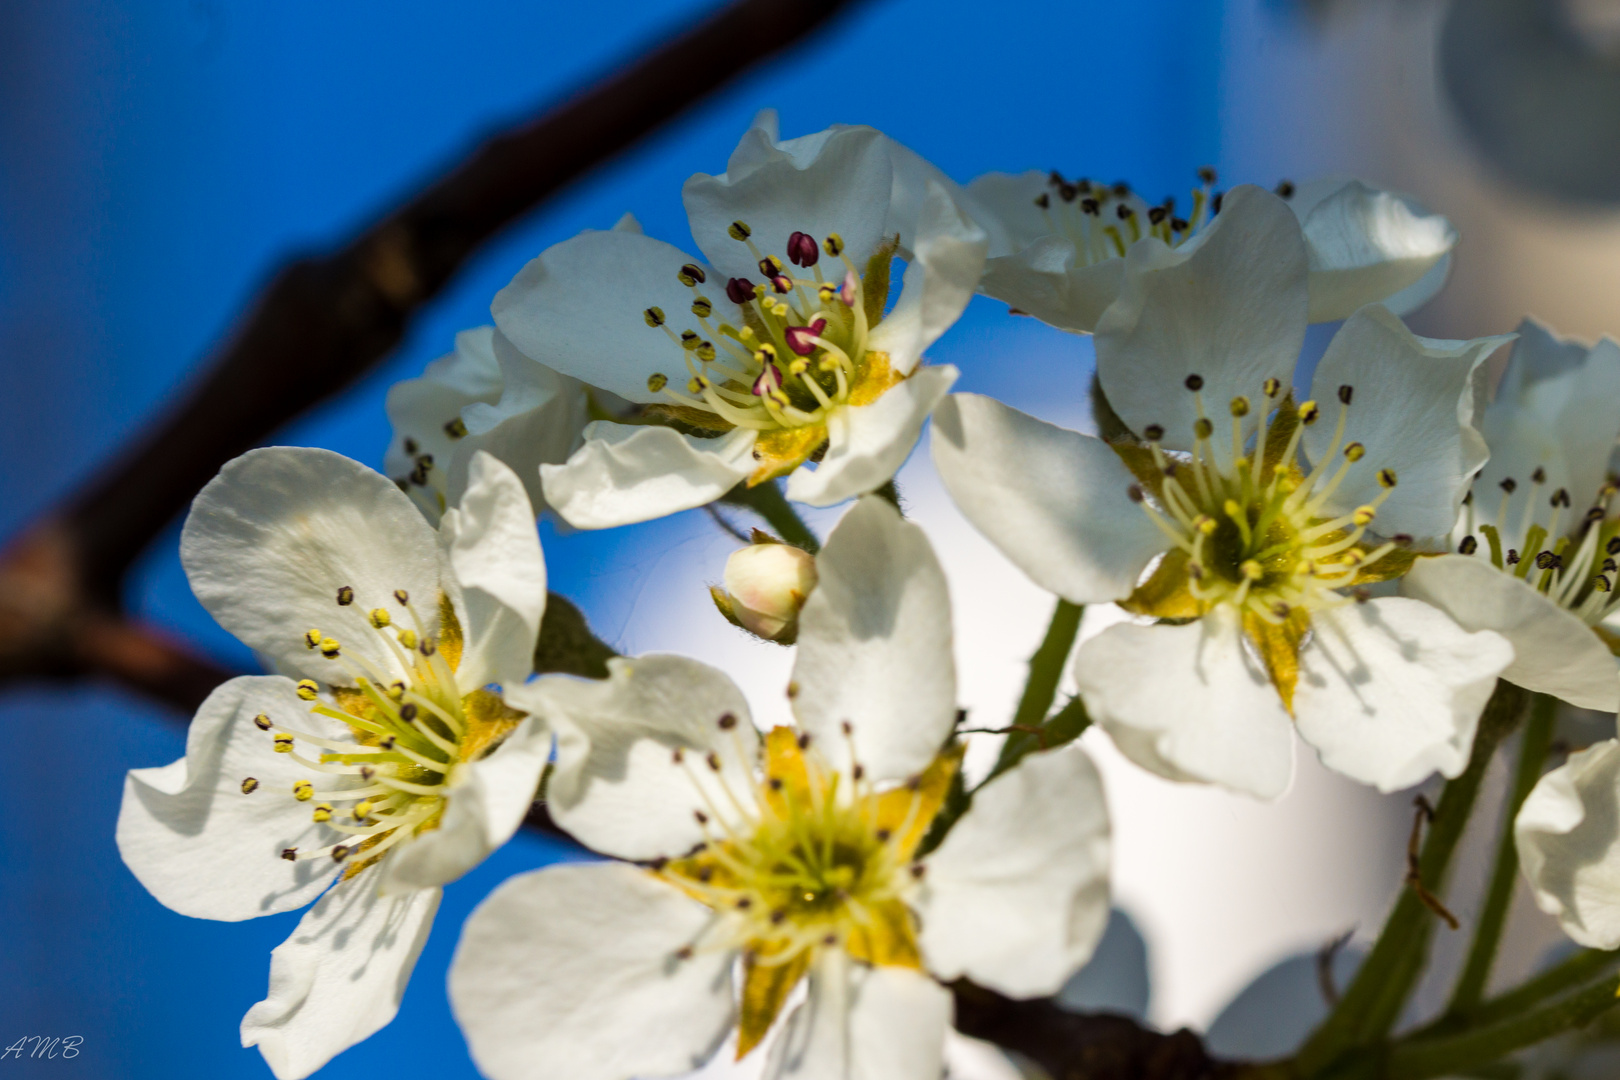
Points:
x=321 y=323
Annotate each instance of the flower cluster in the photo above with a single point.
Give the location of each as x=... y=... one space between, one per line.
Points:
x=1374 y=557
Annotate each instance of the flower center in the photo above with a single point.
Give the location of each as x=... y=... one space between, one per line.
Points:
x=1252 y=532
x=807 y=858
x=412 y=727
x=801 y=351
x=1576 y=570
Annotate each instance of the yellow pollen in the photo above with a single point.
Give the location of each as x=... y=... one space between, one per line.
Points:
x=312 y=638
x=1252 y=570
x=1355 y=452
x=1308 y=412
x=323 y=812
x=362 y=809
x=1386 y=478
x=654 y=316
x=833 y=245
x=407 y=638
x=307 y=690
x=330 y=648
x=1272 y=387
x=657 y=382
x=283 y=743
x=1363 y=515
x=303 y=790
x=1203 y=427
x=1240 y=406
x=380 y=617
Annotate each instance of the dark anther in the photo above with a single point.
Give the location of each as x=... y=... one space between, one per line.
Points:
x=1345 y=394
x=290 y=854
x=402 y=596
x=1068 y=192
x=692 y=274
x=1121 y=189
x=1135 y=492
x=778 y=916
x=845 y=726
x=883 y=835
x=702 y=818
x=728 y=721
x=427 y=647
x=1509 y=485
x=345 y=596
x=340 y=853
x=1156 y=215
x=1469 y=545
x=1055 y=178
x=714 y=760
x=781 y=284
x=684 y=952
x=1544 y=560
x=1153 y=432
x=456 y=429
x=677 y=755
x=1561 y=498
x=407 y=712
x=804 y=741
x=1468 y=499
x=1124 y=212
x=803 y=250
x=775 y=783
x=1179 y=224
x=1402 y=540
x=1043 y=200
x=859 y=771
x=1207 y=174
x=1090 y=206
x=1285 y=188
x=1594 y=515
x=739 y=290
x=262 y=722
x=1513 y=556
x=1613 y=546
x=1215 y=203
x=410 y=446
x=1539 y=476
x=1195 y=383
x=770 y=266
x=1084 y=185
x=250 y=785
x=744 y=903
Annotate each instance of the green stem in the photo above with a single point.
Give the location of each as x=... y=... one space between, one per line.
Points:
x=1584 y=965
x=768 y=502
x=1533 y=749
x=1040 y=689
x=1373 y=1001
x=1423 y=1058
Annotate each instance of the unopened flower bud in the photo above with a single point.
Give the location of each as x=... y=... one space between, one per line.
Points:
x=766 y=585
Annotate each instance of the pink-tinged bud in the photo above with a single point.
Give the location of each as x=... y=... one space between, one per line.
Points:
x=766 y=586
x=803 y=250
x=769 y=380
x=739 y=290
x=801 y=338
x=851 y=288
x=781 y=284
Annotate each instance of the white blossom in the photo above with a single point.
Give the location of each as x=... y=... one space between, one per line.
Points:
x=1260 y=516
x=1536 y=558
x=1060 y=245
x=788 y=859
x=379 y=766
x=776 y=349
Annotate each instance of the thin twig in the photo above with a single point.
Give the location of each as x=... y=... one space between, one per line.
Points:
x=1414 y=869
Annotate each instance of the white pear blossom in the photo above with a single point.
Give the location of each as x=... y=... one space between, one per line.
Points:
x=1568 y=834
x=380 y=765
x=772 y=351
x=1061 y=244
x=791 y=859
x=483 y=396
x=1531 y=566
x=1256 y=514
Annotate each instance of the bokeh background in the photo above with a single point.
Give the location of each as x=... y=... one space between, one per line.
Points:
x=159 y=158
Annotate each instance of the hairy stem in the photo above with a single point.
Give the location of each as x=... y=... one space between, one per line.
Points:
x=1420 y=1059
x=1375 y=996
x=768 y=502
x=1533 y=749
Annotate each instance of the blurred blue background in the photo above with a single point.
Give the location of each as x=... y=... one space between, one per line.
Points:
x=159 y=159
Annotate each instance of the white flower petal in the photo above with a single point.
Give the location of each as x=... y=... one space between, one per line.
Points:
x=1366 y=246
x=1016 y=898
x=1189 y=703
x=204 y=848
x=839 y=181
x=1010 y=199
x=1553 y=651
x=624 y=474
x=1047 y=279
x=420 y=409
x=579 y=308
x=863 y=1023
x=1413 y=409
x=616 y=785
x=1054 y=501
x=538 y=419
x=571 y=971
x=1391 y=690
x=493 y=549
x=272 y=538
x=867 y=444
x=1553 y=411
x=874 y=646
x=1228 y=306
x=939 y=281
x=340 y=977
x=1568 y=833
x=487 y=800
